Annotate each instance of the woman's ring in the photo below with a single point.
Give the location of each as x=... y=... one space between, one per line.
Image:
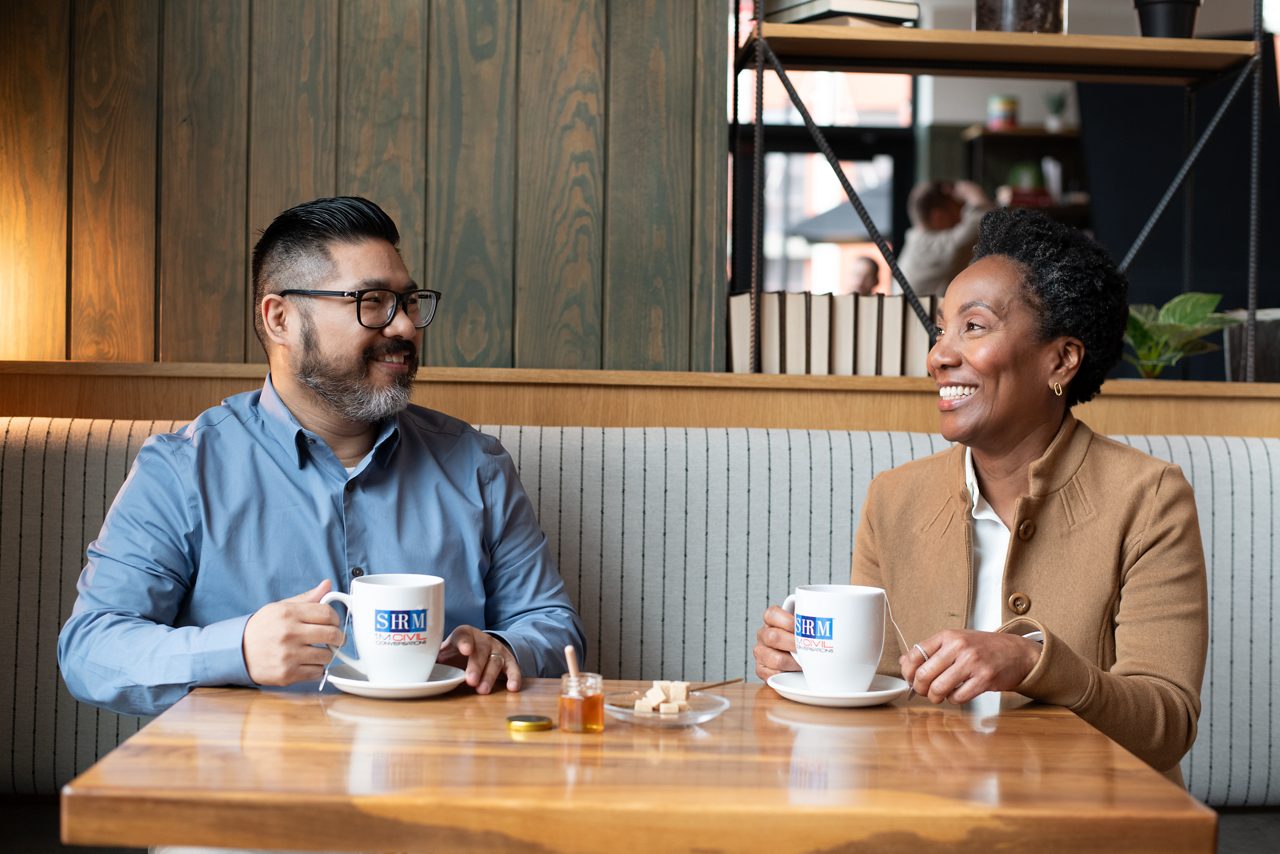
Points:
x=918 y=648
x=495 y=655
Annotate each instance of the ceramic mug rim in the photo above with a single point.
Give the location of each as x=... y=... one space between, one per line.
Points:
x=845 y=590
x=398 y=579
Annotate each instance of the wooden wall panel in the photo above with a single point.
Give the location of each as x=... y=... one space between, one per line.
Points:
x=647 y=206
x=113 y=194
x=292 y=115
x=382 y=114
x=471 y=140
x=560 y=184
x=556 y=168
x=637 y=399
x=35 y=38
x=709 y=286
x=203 y=180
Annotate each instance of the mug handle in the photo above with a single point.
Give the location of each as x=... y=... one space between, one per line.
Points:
x=789 y=605
x=345 y=599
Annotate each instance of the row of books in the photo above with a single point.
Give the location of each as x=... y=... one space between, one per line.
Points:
x=843 y=334
x=895 y=13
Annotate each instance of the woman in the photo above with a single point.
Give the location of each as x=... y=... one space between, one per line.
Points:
x=1035 y=556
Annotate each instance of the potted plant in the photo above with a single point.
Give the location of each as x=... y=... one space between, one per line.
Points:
x=1160 y=338
x=1167 y=18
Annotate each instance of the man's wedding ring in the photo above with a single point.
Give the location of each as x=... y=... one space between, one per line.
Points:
x=918 y=648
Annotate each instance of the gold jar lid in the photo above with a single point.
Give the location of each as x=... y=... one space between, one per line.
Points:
x=528 y=723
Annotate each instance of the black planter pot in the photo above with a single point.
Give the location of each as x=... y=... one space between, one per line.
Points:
x=1167 y=19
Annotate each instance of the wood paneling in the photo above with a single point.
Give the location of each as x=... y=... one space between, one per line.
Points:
x=113 y=197
x=637 y=399
x=34 y=79
x=555 y=167
x=292 y=115
x=471 y=140
x=560 y=183
x=203 y=180
x=709 y=230
x=382 y=118
x=647 y=205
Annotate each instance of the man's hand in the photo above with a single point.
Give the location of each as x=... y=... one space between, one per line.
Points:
x=280 y=639
x=970 y=193
x=484 y=657
x=963 y=664
x=775 y=641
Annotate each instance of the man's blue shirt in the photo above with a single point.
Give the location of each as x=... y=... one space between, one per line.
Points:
x=244 y=507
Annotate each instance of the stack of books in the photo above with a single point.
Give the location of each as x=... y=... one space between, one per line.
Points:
x=885 y=13
x=843 y=334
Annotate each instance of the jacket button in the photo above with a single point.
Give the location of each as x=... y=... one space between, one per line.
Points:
x=357 y=571
x=1019 y=603
x=351 y=486
x=1026 y=530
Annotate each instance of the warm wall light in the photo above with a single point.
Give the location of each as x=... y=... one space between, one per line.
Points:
x=32 y=313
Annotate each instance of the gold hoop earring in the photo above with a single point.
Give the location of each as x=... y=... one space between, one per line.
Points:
x=1057 y=388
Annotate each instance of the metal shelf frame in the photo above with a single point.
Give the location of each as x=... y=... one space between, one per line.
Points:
x=1185 y=62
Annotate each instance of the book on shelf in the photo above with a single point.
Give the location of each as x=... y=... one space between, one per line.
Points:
x=820 y=333
x=842 y=334
x=866 y=346
x=891 y=334
x=915 y=339
x=844 y=312
x=740 y=333
x=858 y=21
x=770 y=319
x=795 y=333
x=791 y=12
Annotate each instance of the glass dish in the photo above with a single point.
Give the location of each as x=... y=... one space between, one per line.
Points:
x=702 y=708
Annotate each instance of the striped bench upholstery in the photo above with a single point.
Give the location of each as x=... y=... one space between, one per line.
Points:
x=672 y=541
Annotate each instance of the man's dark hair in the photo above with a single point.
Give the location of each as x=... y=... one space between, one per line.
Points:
x=925 y=198
x=293 y=251
x=1070 y=282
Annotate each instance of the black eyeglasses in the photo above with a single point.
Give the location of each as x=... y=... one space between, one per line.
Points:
x=376 y=307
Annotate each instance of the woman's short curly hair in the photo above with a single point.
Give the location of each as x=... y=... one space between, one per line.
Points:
x=1070 y=282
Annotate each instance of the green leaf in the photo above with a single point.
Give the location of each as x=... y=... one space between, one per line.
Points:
x=1145 y=313
x=1190 y=308
x=1136 y=334
x=1195 y=348
x=1179 y=338
x=1148 y=369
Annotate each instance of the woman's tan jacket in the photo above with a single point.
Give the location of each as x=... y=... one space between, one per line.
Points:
x=1104 y=558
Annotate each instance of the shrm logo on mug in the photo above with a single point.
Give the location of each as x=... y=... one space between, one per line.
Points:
x=400 y=628
x=813 y=634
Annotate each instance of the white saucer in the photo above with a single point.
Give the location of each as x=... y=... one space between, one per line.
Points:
x=792 y=686
x=443 y=679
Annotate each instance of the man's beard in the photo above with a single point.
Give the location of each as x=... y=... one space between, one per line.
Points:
x=349 y=392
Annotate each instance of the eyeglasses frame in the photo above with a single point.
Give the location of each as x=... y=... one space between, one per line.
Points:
x=401 y=299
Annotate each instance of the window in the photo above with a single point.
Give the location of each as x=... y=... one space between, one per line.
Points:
x=811 y=234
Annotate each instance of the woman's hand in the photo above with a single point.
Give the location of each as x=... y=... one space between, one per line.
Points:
x=963 y=664
x=775 y=641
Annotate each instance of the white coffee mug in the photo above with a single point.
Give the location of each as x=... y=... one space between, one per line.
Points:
x=397 y=620
x=839 y=635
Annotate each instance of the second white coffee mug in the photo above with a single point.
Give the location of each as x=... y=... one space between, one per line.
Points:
x=839 y=635
x=397 y=620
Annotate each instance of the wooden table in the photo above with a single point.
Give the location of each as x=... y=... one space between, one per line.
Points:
x=247 y=768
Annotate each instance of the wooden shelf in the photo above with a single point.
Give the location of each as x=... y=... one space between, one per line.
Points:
x=965 y=53
x=1030 y=132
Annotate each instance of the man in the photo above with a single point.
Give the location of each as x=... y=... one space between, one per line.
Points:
x=944 y=227
x=865 y=276
x=211 y=563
